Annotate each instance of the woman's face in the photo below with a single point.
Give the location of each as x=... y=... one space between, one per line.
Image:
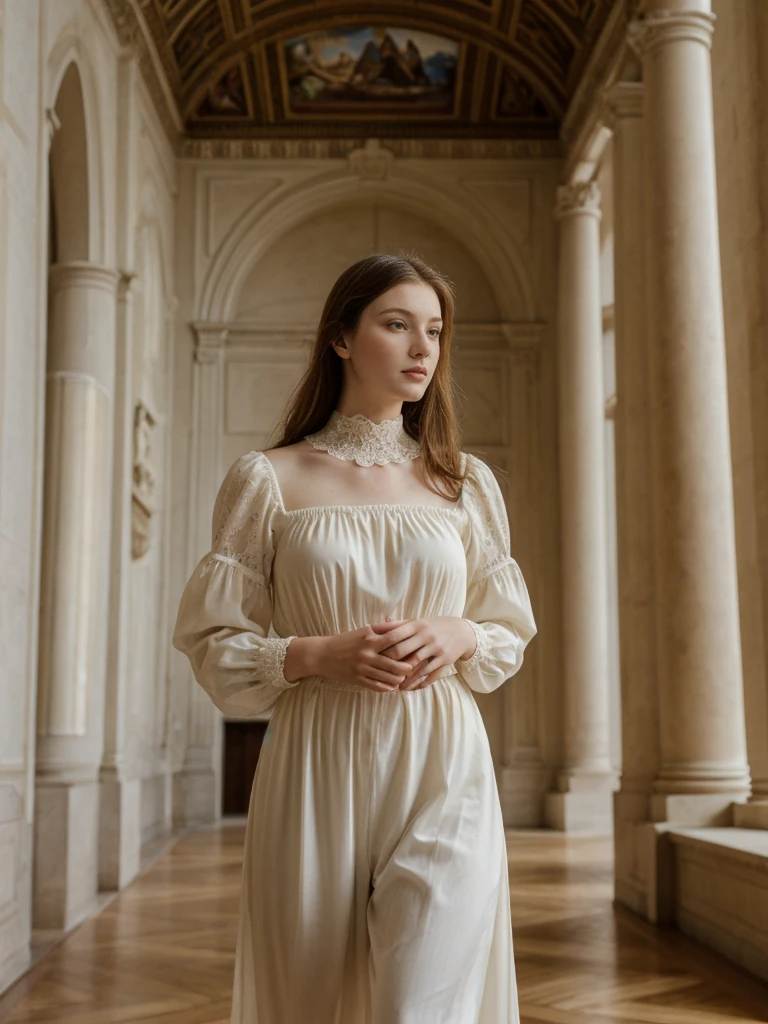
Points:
x=398 y=330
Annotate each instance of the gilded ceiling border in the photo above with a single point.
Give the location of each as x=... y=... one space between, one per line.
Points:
x=436 y=149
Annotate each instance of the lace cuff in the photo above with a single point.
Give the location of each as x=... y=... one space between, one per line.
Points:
x=483 y=646
x=270 y=660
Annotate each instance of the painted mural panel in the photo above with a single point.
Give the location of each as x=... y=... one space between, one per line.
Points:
x=370 y=68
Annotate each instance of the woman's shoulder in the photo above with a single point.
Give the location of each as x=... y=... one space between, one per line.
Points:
x=482 y=494
x=478 y=471
x=257 y=463
x=289 y=456
x=249 y=481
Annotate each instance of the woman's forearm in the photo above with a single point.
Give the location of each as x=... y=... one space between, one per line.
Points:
x=302 y=658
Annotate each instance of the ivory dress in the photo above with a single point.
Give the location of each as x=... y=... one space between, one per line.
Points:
x=375 y=882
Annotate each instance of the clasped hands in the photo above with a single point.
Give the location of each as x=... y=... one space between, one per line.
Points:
x=426 y=644
x=403 y=654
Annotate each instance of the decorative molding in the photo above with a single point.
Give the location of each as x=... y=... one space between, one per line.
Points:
x=372 y=162
x=605 y=59
x=81 y=378
x=80 y=274
x=143 y=492
x=583 y=197
x=622 y=101
x=341 y=148
x=132 y=34
x=209 y=341
x=649 y=31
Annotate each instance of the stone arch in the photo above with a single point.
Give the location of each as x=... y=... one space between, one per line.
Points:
x=69 y=207
x=75 y=151
x=258 y=230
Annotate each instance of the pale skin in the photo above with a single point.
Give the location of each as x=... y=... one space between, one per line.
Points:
x=398 y=330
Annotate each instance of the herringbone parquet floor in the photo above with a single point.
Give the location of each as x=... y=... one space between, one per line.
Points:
x=162 y=951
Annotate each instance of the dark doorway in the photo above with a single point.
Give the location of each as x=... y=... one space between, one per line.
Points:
x=242 y=746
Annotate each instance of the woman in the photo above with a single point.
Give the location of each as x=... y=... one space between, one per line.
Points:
x=374 y=886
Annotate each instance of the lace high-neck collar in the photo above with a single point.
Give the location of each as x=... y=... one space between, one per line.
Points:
x=368 y=443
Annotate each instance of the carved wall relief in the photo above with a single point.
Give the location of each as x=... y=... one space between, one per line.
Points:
x=143 y=494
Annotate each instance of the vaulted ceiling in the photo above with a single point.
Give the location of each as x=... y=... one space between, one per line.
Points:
x=474 y=68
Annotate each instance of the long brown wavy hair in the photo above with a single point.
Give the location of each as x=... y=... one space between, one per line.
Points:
x=431 y=420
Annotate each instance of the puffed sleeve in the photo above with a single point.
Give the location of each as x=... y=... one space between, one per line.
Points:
x=226 y=607
x=497 y=604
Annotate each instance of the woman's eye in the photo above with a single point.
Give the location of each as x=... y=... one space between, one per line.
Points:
x=434 y=331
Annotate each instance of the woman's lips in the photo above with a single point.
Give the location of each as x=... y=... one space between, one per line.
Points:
x=414 y=376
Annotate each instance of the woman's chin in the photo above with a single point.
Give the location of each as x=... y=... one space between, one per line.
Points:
x=412 y=389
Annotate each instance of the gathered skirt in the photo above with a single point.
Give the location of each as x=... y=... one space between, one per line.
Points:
x=375 y=883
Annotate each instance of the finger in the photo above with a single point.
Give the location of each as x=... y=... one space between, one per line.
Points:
x=394 y=676
x=384 y=627
x=389 y=665
x=418 y=684
x=419 y=666
x=406 y=646
x=422 y=678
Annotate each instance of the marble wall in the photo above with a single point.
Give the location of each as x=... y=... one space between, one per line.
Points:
x=87 y=181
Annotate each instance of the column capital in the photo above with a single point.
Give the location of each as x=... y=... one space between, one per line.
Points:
x=649 y=31
x=209 y=341
x=582 y=197
x=82 y=274
x=623 y=101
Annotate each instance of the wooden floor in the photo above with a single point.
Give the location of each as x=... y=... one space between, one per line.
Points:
x=162 y=951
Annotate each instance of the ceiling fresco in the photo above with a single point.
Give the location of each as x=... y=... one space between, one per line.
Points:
x=474 y=68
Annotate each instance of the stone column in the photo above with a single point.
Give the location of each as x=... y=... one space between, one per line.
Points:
x=703 y=748
x=639 y=691
x=74 y=589
x=586 y=780
x=197 y=788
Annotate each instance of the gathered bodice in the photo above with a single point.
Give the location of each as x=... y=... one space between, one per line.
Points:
x=273 y=574
x=336 y=568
